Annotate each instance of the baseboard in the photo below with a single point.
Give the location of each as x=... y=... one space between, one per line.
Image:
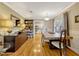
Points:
x=73 y=51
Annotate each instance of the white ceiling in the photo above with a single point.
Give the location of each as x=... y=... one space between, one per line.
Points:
x=40 y=10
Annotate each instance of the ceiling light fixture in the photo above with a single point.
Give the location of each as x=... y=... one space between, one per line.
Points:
x=47 y=19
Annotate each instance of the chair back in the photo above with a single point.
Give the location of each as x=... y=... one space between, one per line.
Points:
x=62 y=41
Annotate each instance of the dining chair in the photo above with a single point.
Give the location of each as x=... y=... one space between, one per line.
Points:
x=62 y=43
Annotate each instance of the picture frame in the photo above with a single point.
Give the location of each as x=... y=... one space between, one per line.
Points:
x=77 y=19
x=15 y=20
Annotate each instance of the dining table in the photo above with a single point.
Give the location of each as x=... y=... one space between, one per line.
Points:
x=50 y=37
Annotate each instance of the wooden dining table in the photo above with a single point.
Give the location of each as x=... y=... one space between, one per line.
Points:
x=50 y=37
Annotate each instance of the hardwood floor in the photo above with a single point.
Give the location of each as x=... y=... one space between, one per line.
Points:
x=33 y=47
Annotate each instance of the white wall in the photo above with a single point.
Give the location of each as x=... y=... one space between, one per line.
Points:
x=44 y=25
x=74 y=27
x=39 y=23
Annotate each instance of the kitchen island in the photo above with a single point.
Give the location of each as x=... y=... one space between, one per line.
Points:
x=15 y=41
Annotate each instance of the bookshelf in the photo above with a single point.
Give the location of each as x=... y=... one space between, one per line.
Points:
x=29 y=24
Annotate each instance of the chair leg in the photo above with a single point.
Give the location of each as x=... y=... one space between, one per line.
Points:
x=60 y=52
x=50 y=46
x=65 y=51
x=42 y=42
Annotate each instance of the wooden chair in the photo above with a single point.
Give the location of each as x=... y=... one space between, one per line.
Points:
x=62 y=43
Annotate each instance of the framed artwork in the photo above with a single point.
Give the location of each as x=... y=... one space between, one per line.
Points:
x=15 y=20
x=77 y=19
